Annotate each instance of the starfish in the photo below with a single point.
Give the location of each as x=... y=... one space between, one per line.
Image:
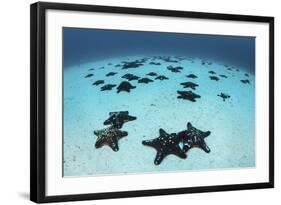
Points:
x=161 y=77
x=224 y=96
x=189 y=85
x=188 y=95
x=132 y=64
x=125 y=86
x=192 y=137
x=245 y=81
x=98 y=82
x=130 y=77
x=165 y=144
x=89 y=75
x=107 y=87
x=145 y=80
x=117 y=119
x=223 y=76
x=111 y=74
x=175 y=69
x=152 y=74
x=212 y=72
x=214 y=78
x=109 y=136
x=191 y=76
x=153 y=63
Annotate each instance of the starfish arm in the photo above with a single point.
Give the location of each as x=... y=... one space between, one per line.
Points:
x=205 y=147
x=159 y=157
x=114 y=145
x=206 y=134
x=100 y=141
x=97 y=132
x=121 y=134
x=151 y=143
x=162 y=132
x=108 y=121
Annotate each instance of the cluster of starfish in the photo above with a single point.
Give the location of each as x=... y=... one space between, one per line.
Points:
x=167 y=144
x=112 y=134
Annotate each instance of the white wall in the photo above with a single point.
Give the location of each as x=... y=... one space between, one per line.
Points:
x=14 y=100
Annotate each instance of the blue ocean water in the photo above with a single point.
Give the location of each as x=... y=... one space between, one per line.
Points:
x=82 y=45
x=219 y=70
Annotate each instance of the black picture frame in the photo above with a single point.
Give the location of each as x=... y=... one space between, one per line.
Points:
x=38 y=99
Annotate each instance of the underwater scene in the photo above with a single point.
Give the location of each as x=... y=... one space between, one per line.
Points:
x=139 y=102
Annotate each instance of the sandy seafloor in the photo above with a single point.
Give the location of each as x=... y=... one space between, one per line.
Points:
x=232 y=123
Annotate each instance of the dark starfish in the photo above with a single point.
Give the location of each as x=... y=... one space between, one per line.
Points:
x=245 y=81
x=191 y=76
x=117 y=119
x=145 y=80
x=224 y=96
x=107 y=87
x=223 y=76
x=212 y=72
x=153 y=63
x=109 y=136
x=89 y=75
x=165 y=144
x=127 y=75
x=152 y=74
x=214 y=78
x=193 y=137
x=175 y=69
x=189 y=85
x=188 y=95
x=132 y=64
x=111 y=74
x=161 y=77
x=125 y=86
x=98 y=82
x=130 y=77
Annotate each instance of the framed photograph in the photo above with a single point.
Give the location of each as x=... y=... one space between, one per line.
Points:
x=129 y=102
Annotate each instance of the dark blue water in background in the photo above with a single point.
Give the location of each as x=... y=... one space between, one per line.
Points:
x=84 y=45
